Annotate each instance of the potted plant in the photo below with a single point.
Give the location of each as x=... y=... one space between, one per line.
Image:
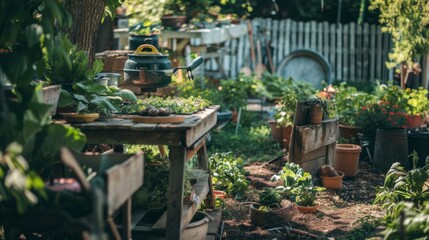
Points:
x=306 y=197
x=89 y=99
x=347 y=100
x=270 y=208
x=233 y=96
x=330 y=177
x=281 y=127
x=184 y=11
x=314 y=107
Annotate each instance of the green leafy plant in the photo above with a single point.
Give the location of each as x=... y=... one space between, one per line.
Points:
x=347 y=100
x=272 y=86
x=407 y=22
x=67 y=65
x=89 y=97
x=233 y=94
x=178 y=105
x=306 y=195
x=269 y=196
x=401 y=185
x=228 y=174
x=17 y=180
x=293 y=177
x=413 y=223
x=314 y=101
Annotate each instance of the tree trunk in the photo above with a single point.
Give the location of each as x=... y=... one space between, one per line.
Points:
x=86 y=15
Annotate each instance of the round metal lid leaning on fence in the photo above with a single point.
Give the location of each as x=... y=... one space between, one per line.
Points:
x=306 y=65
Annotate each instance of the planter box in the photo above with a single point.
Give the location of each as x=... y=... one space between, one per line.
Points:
x=313 y=146
x=116 y=178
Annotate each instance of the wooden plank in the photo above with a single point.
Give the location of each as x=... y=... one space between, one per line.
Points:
x=333 y=47
x=359 y=49
x=316 y=136
x=175 y=223
x=386 y=42
x=287 y=36
x=122 y=180
x=214 y=223
x=352 y=48
x=306 y=35
x=372 y=47
x=313 y=35
x=159 y=119
x=346 y=53
x=365 y=59
x=339 y=51
x=379 y=55
x=293 y=36
x=326 y=42
x=201 y=189
x=203 y=163
x=300 y=31
x=281 y=42
x=320 y=42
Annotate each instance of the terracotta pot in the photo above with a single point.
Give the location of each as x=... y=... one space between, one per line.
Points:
x=234 y=116
x=173 y=22
x=347 y=158
x=415 y=121
x=308 y=209
x=286 y=135
x=348 y=132
x=219 y=194
x=258 y=217
x=276 y=132
x=283 y=212
x=315 y=115
x=80 y=118
x=335 y=182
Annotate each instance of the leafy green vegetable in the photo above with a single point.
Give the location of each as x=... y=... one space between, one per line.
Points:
x=228 y=174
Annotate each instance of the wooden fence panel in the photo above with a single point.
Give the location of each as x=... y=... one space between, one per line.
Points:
x=356 y=52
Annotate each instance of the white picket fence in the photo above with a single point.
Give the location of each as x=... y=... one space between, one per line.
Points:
x=355 y=52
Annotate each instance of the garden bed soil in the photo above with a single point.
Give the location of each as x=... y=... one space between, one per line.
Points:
x=343 y=214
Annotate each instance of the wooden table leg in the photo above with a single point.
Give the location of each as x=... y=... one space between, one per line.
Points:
x=126 y=220
x=203 y=163
x=175 y=192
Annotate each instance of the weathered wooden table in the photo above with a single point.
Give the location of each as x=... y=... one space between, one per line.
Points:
x=184 y=140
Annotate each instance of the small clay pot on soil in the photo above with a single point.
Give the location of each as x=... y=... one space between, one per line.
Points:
x=308 y=209
x=219 y=194
x=258 y=217
x=334 y=182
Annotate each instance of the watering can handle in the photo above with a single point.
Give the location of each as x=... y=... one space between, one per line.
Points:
x=195 y=63
x=153 y=50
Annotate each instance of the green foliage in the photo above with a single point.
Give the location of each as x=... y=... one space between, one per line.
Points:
x=413 y=221
x=228 y=174
x=178 y=105
x=347 y=100
x=295 y=181
x=233 y=94
x=89 y=97
x=273 y=86
x=365 y=227
x=306 y=196
x=408 y=23
x=402 y=186
x=253 y=142
x=27 y=27
x=67 y=64
x=269 y=196
x=18 y=181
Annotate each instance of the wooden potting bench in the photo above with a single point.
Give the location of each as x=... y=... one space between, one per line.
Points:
x=183 y=140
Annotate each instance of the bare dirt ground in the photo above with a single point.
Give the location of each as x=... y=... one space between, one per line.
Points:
x=342 y=214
